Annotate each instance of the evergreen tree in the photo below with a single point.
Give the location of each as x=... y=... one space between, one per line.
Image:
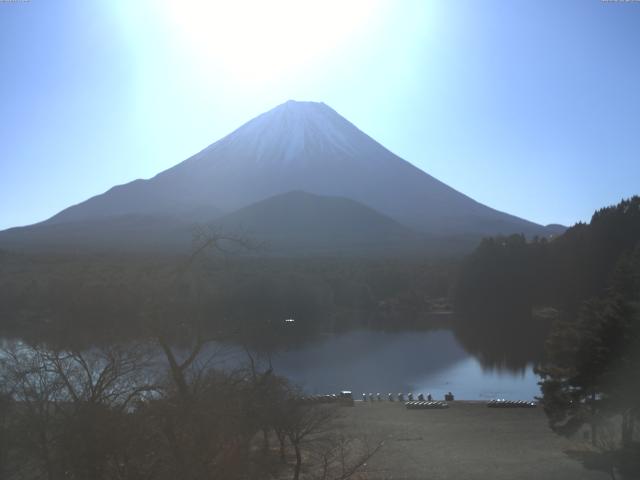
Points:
x=592 y=365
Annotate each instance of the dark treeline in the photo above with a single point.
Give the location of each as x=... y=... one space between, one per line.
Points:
x=580 y=292
x=510 y=275
x=510 y=289
x=105 y=298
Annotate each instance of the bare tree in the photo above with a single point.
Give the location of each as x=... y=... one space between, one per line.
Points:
x=314 y=434
x=31 y=385
x=303 y=423
x=341 y=457
x=70 y=404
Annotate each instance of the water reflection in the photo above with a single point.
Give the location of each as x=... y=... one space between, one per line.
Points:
x=505 y=341
x=414 y=361
x=431 y=361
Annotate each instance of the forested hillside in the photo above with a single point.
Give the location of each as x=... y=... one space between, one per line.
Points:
x=580 y=292
x=101 y=297
x=511 y=275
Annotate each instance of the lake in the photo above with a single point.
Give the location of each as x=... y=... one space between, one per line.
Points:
x=421 y=361
x=410 y=361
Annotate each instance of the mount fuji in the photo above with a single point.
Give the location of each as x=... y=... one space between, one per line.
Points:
x=302 y=147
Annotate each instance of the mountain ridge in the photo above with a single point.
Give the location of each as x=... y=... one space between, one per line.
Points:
x=299 y=146
x=294 y=147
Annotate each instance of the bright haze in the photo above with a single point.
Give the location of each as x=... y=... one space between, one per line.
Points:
x=519 y=107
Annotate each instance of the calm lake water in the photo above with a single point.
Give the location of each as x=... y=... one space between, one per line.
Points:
x=411 y=361
x=366 y=361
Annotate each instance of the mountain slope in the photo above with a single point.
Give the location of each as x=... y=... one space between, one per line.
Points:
x=309 y=147
x=303 y=223
x=289 y=223
x=122 y=233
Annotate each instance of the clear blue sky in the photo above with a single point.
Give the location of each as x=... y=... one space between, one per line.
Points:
x=531 y=107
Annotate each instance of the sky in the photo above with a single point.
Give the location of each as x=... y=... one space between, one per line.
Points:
x=530 y=107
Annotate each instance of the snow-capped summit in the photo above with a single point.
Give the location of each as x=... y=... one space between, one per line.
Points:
x=303 y=146
x=288 y=132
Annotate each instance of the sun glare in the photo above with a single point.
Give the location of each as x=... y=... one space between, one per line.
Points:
x=256 y=41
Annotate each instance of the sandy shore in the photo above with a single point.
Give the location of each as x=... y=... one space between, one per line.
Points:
x=466 y=441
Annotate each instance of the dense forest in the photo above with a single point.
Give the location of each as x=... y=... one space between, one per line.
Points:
x=91 y=298
x=511 y=275
x=511 y=289
x=580 y=292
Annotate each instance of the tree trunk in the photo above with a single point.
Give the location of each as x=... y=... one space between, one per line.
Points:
x=627 y=428
x=296 y=472
x=176 y=371
x=283 y=457
x=46 y=456
x=170 y=435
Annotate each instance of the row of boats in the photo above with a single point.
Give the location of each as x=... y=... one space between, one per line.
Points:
x=342 y=397
x=346 y=398
x=498 y=403
x=501 y=403
x=426 y=405
x=370 y=397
